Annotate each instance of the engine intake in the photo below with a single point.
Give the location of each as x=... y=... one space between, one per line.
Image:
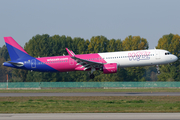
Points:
x=110 y=68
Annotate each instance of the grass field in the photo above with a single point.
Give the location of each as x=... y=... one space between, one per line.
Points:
x=92 y=90
x=118 y=104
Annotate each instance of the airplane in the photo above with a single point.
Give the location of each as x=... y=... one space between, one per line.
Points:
x=108 y=62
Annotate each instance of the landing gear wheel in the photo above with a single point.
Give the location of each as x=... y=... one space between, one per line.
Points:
x=91 y=76
x=101 y=68
x=158 y=71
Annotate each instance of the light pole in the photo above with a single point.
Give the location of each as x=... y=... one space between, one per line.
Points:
x=7 y=81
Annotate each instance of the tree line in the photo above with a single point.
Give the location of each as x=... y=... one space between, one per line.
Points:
x=45 y=45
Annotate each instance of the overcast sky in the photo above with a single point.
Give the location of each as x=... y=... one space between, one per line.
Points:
x=150 y=19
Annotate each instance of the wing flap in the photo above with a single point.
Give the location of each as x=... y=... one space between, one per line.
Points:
x=86 y=63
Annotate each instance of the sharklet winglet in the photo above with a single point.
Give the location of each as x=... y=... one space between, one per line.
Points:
x=71 y=54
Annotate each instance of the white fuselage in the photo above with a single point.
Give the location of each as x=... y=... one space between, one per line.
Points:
x=139 y=57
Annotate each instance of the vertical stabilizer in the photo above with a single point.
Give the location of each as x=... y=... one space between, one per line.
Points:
x=15 y=50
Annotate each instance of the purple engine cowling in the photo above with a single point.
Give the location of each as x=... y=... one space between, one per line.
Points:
x=110 y=68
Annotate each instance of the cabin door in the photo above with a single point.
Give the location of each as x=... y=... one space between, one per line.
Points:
x=157 y=55
x=71 y=61
x=33 y=63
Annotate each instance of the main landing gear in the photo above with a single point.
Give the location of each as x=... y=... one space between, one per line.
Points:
x=157 y=68
x=92 y=75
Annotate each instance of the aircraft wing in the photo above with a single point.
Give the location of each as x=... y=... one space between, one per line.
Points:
x=86 y=64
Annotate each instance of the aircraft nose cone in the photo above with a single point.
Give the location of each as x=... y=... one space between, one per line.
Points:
x=175 y=58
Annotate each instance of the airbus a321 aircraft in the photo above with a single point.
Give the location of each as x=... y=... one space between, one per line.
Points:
x=107 y=62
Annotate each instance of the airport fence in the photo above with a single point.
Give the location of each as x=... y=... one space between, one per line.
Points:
x=51 y=85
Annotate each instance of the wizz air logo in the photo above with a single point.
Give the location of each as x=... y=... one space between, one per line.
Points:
x=139 y=56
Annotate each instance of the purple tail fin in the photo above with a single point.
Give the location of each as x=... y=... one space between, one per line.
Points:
x=15 y=50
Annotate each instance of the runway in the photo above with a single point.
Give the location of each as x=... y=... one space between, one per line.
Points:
x=92 y=116
x=92 y=94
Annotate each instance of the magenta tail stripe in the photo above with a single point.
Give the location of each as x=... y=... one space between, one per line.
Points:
x=12 y=42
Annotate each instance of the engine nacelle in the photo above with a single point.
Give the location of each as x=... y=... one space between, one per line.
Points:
x=110 y=68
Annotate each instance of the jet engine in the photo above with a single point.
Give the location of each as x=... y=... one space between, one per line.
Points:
x=110 y=68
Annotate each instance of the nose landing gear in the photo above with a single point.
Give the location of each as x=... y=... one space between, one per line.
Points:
x=157 y=68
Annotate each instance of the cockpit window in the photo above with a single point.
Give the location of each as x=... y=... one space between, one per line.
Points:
x=167 y=53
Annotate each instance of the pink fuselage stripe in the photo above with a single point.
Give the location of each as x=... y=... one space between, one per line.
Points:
x=12 y=42
x=66 y=63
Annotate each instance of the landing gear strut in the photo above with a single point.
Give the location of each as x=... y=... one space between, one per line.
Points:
x=158 y=71
x=92 y=75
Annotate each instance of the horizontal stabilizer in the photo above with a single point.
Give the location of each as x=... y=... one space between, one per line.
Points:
x=18 y=64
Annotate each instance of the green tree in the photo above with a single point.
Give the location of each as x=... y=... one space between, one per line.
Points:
x=98 y=44
x=111 y=46
x=4 y=53
x=4 y=56
x=38 y=46
x=118 y=45
x=135 y=43
x=79 y=46
x=150 y=74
